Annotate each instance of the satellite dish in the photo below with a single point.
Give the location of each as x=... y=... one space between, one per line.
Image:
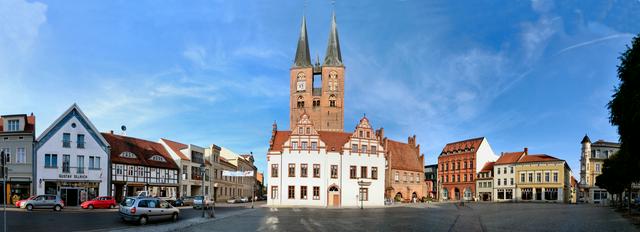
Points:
x=123 y=127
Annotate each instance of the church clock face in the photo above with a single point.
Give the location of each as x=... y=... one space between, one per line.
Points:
x=301 y=83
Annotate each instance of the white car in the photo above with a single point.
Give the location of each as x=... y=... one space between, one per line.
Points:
x=233 y=200
x=244 y=199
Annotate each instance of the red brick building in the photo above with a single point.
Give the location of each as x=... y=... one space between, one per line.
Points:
x=458 y=164
x=404 y=178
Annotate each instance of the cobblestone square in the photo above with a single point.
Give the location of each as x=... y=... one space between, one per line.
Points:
x=428 y=217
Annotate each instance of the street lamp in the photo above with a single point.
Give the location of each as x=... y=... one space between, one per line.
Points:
x=362 y=184
x=202 y=172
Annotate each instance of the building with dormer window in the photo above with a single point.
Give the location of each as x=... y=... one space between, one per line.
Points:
x=17 y=139
x=140 y=165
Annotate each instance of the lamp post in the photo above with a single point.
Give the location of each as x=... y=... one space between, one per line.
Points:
x=215 y=196
x=362 y=184
x=202 y=172
x=4 y=190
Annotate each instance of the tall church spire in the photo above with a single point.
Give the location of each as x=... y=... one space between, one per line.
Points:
x=333 y=57
x=303 y=58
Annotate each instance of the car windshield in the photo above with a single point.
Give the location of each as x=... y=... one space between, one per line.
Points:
x=198 y=197
x=128 y=202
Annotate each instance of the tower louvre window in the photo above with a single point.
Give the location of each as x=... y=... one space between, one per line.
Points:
x=300 y=102
x=332 y=100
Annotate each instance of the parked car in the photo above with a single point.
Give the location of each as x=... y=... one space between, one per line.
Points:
x=244 y=199
x=144 y=209
x=188 y=200
x=176 y=202
x=99 y=202
x=47 y=201
x=18 y=203
x=233 y=200
x=200 y=201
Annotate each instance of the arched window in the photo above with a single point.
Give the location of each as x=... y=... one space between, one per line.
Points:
x=316 y=102
x=332 y=100
x=300 y=102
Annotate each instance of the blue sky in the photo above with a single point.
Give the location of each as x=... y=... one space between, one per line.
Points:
x=534 y=74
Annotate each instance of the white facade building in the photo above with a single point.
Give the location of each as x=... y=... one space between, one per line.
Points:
x=72 y=159
x=318 y=168
x=504 y=176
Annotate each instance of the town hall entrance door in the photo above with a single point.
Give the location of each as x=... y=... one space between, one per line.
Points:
x=334 y=197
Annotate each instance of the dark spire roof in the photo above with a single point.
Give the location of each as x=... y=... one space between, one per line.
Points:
x=303 y=58
x=585 y=139
x=333 y=57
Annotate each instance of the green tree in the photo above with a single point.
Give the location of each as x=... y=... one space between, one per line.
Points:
x=625 y=107
x=615 y=177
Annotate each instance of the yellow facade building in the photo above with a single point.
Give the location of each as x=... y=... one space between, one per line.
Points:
x=543 y=178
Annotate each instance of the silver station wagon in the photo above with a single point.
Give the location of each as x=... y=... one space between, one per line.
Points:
x=144 y=209
x=44 y=202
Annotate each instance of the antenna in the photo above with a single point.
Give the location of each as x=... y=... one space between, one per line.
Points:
x=124 y=129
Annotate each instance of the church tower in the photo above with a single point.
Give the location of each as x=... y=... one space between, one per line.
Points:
x=318 y=90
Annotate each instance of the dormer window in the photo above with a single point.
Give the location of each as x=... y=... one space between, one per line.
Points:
x=13 y=125
x=308 y=130
x=128 y=155
x=300 y=130
x=368 y=134
x=158 y=158
x=360 y=133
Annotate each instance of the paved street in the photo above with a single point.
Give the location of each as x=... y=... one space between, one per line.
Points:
x=76 y=219
x=433 y=217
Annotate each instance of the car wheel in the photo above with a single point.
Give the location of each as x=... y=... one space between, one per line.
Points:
x=143 y=220
x=29 y=207
x=112 y=206
x=57 y=208
x=174 y=217
x=90 y=206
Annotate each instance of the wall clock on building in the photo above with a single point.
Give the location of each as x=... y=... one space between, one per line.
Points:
x=301 y=82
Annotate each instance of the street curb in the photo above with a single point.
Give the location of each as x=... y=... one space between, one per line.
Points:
x=177 y=226
x=214 y=219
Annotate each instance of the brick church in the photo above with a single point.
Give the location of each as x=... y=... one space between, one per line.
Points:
x=316 y=162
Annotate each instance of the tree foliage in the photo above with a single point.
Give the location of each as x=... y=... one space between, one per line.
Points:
x=625 y=108
x=615 y=175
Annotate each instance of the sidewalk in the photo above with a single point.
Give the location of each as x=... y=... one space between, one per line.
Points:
x=180 y=224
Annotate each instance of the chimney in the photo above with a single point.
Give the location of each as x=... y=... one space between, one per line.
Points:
x=526 y=151
x=111 y=132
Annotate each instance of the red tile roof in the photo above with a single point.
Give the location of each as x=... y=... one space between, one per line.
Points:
x=30 y=126
x=487 y=167
x=278 y=140
x=334 y=141
x=574 y=182
x=509 y=157
x=463 y=146
x=537 y=158
x=403 y=156
x=176 y=147
x=143 y=150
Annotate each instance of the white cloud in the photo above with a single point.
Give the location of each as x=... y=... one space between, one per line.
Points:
x=205 y=58
x=20 y=25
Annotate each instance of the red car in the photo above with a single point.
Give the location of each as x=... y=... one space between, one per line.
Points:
x=18 y=203
x=99 y=202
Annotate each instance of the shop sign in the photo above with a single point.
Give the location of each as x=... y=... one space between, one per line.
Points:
x=74 y=176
